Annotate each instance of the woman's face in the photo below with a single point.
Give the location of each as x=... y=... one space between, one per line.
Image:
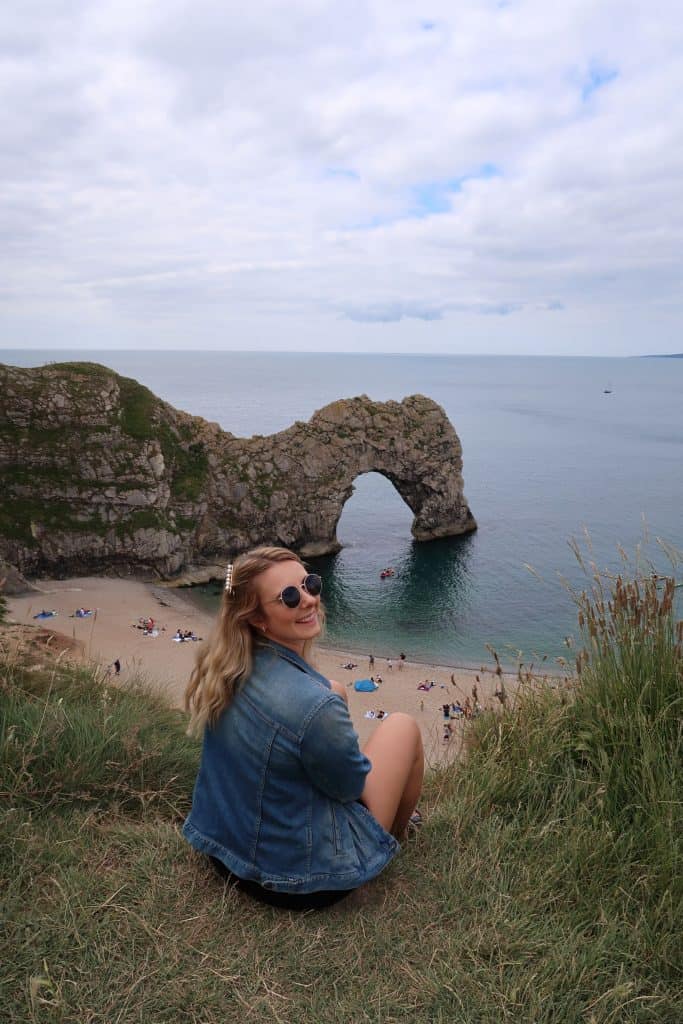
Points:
x=291 y=627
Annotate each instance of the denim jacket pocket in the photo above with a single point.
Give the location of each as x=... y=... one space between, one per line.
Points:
x=346 y=852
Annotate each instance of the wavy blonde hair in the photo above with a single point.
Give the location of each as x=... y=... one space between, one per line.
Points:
x=225 y=660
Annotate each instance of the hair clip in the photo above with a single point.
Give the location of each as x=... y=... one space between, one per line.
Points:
x=228 y=579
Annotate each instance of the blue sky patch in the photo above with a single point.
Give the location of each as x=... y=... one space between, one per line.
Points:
x=341 y=172
x=431 y=197
x=598 y=76
x=424 y=199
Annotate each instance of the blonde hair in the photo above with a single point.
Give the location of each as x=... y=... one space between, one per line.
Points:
x=225 y=660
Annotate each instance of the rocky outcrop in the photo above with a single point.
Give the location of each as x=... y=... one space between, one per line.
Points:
x=99 y=474
x=12 y=583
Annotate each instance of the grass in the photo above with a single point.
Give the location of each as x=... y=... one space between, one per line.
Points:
x=544 y=886
x=141 y=417
x=139 y=409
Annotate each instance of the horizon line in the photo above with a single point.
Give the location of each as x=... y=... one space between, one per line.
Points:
x=336 y=352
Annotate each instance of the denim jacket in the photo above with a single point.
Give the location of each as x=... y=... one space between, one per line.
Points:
x=276 y=797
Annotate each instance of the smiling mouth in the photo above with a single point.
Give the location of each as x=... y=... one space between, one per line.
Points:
x=309 y=618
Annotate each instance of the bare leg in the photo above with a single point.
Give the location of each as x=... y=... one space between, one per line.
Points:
x=394 y=783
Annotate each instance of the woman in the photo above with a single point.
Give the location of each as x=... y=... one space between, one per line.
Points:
x=285 y=801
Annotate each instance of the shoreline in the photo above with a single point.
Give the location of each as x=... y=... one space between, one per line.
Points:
x=553 y=673
x=114 y=631
x=551 y=670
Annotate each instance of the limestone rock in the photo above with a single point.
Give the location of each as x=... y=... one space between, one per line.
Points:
x=12 y=582
x=98 y=474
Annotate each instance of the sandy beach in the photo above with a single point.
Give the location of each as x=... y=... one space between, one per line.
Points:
x=114 y=631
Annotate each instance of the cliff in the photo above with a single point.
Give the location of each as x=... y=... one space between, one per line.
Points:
x=98 y=474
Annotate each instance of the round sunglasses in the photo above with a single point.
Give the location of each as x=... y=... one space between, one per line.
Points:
x=291 y=596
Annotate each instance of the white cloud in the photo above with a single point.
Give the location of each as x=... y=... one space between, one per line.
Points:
x=476 y=177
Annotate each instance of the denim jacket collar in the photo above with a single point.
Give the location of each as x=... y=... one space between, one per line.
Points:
x=291 y=656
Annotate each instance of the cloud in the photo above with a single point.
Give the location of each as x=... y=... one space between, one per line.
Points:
x=320 y=170
x=391 y=314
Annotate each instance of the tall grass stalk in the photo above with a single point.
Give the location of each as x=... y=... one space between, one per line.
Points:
x=628 y=720
x=600 y=771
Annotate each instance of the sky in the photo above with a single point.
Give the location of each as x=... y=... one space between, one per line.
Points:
x=378 y=176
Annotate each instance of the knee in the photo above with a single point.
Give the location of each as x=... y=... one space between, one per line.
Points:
x=403 y=719
x=407 y=726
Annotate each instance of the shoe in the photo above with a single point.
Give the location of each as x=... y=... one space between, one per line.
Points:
x=414 y=823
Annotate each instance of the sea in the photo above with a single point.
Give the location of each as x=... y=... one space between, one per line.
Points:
x=572 y=468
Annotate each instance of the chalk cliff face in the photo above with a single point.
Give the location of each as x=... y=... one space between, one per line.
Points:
x=98 y=474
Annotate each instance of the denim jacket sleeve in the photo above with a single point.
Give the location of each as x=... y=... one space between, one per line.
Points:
x=330 y=753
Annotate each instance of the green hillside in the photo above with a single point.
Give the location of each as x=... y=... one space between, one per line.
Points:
x=545 y=885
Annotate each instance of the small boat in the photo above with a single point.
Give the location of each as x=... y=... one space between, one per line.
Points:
x=607 y=391
x=386 y=573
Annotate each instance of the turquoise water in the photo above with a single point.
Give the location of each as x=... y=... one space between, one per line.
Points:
x=547 y=454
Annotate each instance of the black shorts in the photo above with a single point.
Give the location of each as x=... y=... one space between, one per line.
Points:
x=286 y=900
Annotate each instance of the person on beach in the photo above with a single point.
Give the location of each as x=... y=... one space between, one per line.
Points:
x=285 y=803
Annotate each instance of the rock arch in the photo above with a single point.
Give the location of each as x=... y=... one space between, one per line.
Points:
x=99 y=474
x=411 y=443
